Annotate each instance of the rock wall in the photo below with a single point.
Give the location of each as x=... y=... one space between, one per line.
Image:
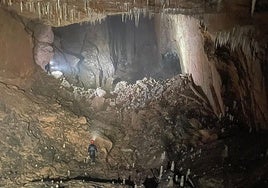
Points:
x=83 y=54
x=227 y=61
x=133 y=48
x=16 y=59
x=43 y=39
x=182 y=34
x=104 y=53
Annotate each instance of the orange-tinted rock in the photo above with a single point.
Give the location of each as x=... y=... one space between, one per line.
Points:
x=16 y=59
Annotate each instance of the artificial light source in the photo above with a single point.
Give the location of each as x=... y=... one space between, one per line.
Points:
x=56 y=74
x=51 y=62
x=94 y=135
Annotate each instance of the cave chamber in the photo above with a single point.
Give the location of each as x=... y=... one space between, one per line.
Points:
x=174 y=94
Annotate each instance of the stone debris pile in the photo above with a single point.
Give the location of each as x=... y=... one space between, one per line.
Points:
x=138 y=95
x=177 y=90
x=79 y=92
x=133 y=96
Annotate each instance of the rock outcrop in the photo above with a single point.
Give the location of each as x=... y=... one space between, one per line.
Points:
x=16 y=62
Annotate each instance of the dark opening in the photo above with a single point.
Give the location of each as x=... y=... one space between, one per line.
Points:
x=99 y=55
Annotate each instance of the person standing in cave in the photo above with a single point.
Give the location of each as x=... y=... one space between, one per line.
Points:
x=92 y=151
x=47 y=68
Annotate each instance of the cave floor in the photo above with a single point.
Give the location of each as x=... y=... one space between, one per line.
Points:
x=45 y=134
x=245 y=164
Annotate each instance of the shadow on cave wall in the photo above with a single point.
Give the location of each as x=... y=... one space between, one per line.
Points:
x=100 y=55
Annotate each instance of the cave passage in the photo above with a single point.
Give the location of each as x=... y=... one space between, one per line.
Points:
x=100 y=55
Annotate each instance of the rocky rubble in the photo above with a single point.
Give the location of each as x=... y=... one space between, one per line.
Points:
x=151 y=108
x=134 y=96
x=44 y=140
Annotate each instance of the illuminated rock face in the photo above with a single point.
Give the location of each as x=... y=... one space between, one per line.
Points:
x=43 y=39
x=222 y=60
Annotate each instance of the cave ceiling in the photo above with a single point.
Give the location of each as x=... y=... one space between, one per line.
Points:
x=65 y=12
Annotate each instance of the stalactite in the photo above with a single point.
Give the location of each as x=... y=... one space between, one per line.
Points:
x=85 y=5
x=39 y=9
x=238 y=37
x=137 y=17
x=31 y=6
x=48 y=9
x=64 y=11
x=72 y=15
x=21 y=6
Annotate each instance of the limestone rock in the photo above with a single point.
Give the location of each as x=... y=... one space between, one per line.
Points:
x=82 y=120
x=43 y=53
x=98 y=103
x=47 y=119
x=43 y=33
x=100 y=92
x=16 y=62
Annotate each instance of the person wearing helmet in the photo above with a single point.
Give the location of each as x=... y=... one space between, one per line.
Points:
x=92 y=151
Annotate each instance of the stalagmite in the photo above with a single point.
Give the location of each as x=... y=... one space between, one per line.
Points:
x=253 y=3
x=176 y=178
x=182 y=181
x=163 y=156
x=187 y=174
x=160 y=173
x=170 y=182
x=172 y=166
